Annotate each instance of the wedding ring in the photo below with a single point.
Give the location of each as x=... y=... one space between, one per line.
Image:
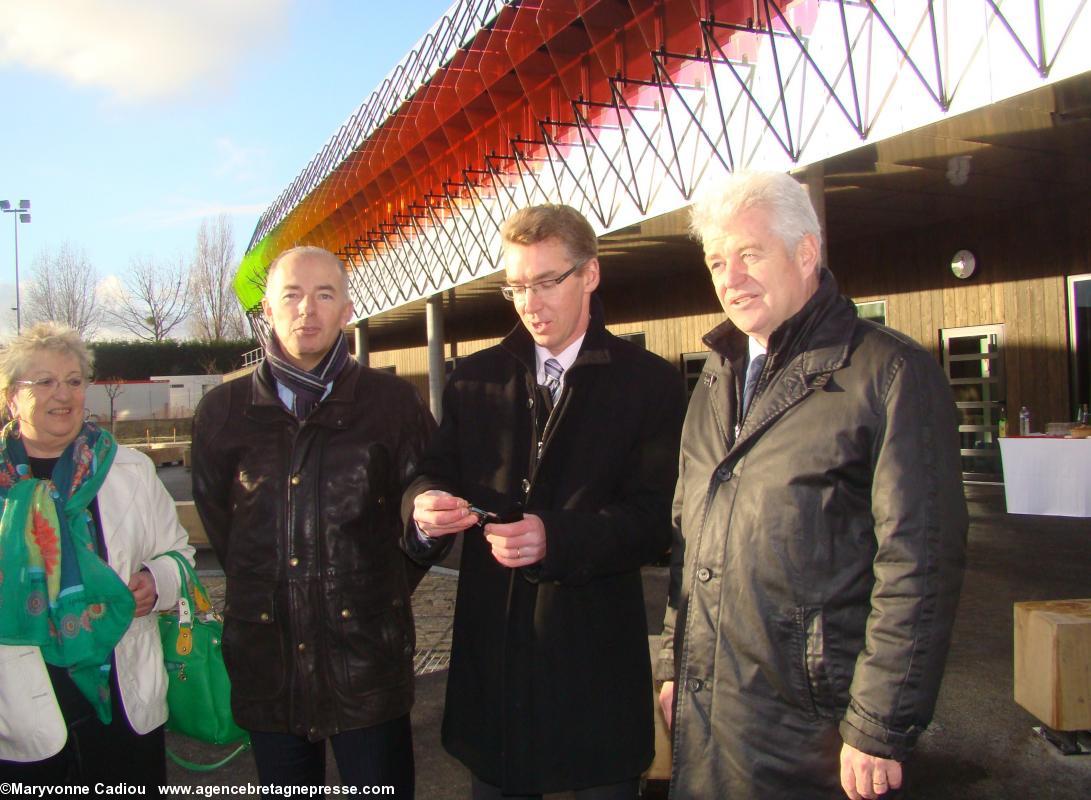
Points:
x=518 y=552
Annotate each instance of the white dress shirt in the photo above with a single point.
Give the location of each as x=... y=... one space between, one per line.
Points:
x=565 y=358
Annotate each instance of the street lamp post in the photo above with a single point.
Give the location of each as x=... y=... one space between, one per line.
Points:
x=22 y=214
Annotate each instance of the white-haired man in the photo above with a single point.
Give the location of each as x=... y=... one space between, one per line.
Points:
x=820 y=525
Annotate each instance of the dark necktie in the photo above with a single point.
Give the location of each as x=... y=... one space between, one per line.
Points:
x=753 y=372
x=553 y=371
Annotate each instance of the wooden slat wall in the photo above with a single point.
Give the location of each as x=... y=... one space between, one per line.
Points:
x=1023 y=259
x=670 y=338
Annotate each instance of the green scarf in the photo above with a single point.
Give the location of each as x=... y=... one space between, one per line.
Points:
x=55 y=591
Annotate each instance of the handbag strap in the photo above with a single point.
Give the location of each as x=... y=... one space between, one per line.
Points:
x=199 y=598
x=195 y=767
x=186 y=606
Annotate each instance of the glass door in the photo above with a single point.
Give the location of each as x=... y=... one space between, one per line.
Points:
x=973 y=361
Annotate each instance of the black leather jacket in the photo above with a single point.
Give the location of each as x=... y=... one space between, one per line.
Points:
x=318 y=632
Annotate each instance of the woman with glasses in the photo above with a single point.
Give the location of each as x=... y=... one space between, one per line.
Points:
x=84 y=521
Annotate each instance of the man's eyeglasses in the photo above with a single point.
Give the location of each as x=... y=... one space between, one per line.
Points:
x=541 y=288
x=50 y=385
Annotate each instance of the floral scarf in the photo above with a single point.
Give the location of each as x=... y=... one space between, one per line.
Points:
x=55 y=591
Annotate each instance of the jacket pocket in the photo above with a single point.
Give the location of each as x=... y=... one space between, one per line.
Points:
x=377 y=642
x=253 y=646
x=815 y=660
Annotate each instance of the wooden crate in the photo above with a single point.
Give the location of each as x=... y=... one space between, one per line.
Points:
x=1053 y=662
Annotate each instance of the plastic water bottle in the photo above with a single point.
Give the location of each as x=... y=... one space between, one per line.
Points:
x=1024 y=421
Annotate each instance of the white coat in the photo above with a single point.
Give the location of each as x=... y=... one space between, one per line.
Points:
x=139 y=523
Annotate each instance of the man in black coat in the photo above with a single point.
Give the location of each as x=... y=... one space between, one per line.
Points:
x=550 y=685
x=820 y=524
x=298 y=470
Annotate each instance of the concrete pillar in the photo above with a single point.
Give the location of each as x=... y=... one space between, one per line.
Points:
x=362 y=353
x=815 y=180
x=436 y=374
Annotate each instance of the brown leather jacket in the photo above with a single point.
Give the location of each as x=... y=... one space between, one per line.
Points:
x=318 y=632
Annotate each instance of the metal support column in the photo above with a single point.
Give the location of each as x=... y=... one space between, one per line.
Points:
x=814 y=178
x=436 y=373
x=362 y=353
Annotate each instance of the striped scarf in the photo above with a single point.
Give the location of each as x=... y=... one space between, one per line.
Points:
x=307 y=386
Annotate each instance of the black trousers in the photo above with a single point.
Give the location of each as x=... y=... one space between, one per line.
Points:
x=381 y=755
x=626 y=790
x=95 y=753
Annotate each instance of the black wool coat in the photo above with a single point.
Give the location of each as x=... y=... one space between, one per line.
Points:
x=550 y=682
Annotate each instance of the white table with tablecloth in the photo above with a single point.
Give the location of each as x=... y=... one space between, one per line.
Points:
x=1047 y=475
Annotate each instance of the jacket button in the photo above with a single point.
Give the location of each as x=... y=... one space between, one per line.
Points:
x=530 y=402
x=295 y=480
x=264 y=617
x=293 y=562
x=704 y=574
x=724 y=474
x=397 y=602
x=346 y=613
x=381 y=501
x=526 y=486
x=301 y=647
x=695 y=684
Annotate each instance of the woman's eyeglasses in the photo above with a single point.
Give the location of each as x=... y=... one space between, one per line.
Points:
x=50 y=385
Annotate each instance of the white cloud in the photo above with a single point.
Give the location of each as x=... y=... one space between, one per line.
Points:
x=238 y=161
x=136 y=49
x=169 y=218
x=110 y=289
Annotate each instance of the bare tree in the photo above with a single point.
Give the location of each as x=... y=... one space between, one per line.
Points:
x=113 y=387
x=62 y=289
x=154 y=301
x=216 y=313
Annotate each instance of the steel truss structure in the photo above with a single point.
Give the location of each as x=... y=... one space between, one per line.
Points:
x=623 y=108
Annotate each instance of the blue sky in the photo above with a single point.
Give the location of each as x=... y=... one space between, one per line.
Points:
x=126 y=122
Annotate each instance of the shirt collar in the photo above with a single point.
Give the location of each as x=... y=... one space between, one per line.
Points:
x=287 y=396
x=565 y=358
x=755 y=349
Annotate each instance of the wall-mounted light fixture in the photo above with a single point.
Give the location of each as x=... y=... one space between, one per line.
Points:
x=958 y=170
x=963 y=264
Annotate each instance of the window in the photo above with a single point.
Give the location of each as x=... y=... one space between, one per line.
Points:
x=692 y=364
x=874 y=310
x=635 y=338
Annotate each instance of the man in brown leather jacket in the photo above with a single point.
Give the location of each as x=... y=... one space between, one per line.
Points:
x=297 y=474
x=820 y=524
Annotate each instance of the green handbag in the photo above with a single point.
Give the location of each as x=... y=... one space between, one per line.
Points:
x=199 y=690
